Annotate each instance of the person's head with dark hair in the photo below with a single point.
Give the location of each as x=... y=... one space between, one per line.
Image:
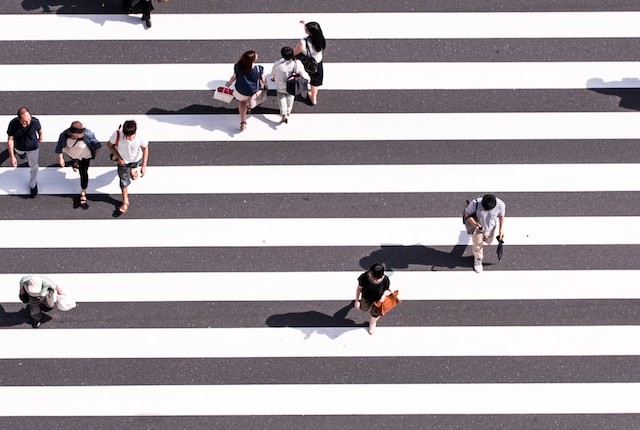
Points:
x=287 y=53
x=129 y=128
x=245 y=63
x=489 y=201
x=376 y=270
x=24 y=116
x=315 y=35
x=76 y=131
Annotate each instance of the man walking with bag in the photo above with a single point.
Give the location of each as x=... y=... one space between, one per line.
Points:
x=38 y=292
x=481 y=216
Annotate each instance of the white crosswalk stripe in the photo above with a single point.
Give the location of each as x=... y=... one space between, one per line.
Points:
x=341 y=76
x=229 y=319
x=285 y=286
x=368 y=126
x=277 y=232
x=369 y=26
x=407 y=178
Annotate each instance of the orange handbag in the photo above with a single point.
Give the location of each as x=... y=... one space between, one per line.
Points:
x=390 y=302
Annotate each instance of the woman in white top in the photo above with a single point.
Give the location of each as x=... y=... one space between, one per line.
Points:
x=313 y=45
x=282 y=70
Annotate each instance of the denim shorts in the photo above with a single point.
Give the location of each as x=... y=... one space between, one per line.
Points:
x=124 y=173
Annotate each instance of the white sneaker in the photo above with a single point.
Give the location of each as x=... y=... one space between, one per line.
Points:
x=477 y=265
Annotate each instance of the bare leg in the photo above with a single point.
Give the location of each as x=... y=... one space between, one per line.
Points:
x=242 y=109
x=125 y=200
x=372 y=324
x=313 y=95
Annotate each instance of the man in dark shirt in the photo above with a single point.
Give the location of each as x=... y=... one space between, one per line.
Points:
x=25 y=136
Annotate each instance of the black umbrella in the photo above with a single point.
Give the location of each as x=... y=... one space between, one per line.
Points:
x=500 y=249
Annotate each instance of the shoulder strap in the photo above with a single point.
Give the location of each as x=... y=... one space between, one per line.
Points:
x=306 y=42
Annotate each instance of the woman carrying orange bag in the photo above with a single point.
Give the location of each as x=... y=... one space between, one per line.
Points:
x=373 y=286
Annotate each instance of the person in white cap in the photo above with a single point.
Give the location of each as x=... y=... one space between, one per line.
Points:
x=34 y=290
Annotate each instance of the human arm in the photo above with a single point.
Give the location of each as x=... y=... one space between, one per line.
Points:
x=113 y=147
x=299 y=48
x=386 y=292
x=12 y=156
x=51 y=285
x=468 y=212
x=501 y=230
x=62 y=140
x=145 y=158
x=231 y=80
x=263 y=79
x=92 y=142
x=356 y=303
x=114 y=150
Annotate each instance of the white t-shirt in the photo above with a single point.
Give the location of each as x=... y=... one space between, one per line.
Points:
x=312 y=51
x=282 y=69
x=129 y=150
x=487 y=219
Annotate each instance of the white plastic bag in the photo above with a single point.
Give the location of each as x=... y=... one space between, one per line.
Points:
x=65 y=303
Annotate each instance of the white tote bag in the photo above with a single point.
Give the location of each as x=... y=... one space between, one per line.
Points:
x=223 y=94
x=65 y=303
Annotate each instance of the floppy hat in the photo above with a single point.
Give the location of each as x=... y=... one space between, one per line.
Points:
x=34 y=285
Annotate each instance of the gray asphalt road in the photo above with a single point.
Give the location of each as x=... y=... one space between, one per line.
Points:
x=298 y=314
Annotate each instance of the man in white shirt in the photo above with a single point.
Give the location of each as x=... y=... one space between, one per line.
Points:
x=481 y=216
x=131 y=150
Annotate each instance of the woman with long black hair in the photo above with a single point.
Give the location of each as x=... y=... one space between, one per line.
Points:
x=313 y=45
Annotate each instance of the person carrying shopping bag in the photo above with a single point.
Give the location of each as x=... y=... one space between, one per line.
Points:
x=280 y=74
x=247 y=76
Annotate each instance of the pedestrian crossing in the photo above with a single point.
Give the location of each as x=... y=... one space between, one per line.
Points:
x=343 y=76
x=224 y=297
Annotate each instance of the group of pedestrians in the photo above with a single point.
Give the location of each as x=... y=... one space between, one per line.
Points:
x=129 y=150
x=249 y=78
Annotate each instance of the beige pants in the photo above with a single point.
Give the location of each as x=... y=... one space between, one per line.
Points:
x=478 y=239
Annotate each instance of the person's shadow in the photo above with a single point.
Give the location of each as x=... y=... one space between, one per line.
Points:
x=97 y=182
x=311 y=322
x=628 y=89
x=19 y=317
x=402 y=257
x=99 y=11
x=74 y=6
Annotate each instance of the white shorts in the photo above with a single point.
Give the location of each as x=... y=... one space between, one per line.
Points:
x=240 y=97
